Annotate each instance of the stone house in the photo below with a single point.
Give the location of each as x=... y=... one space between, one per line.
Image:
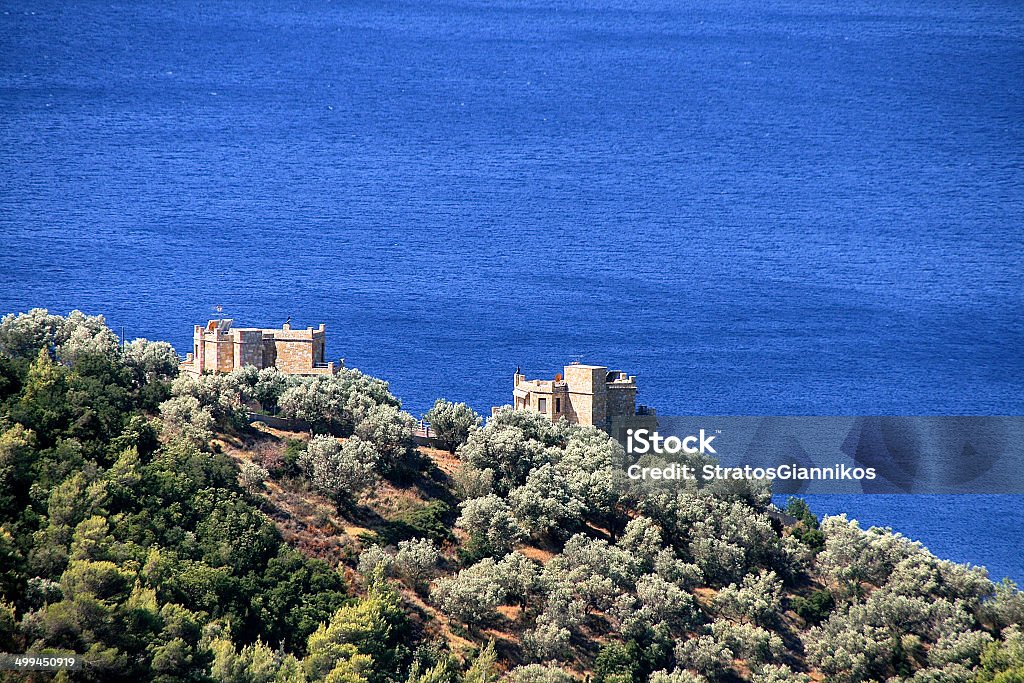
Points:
x=219 y=347
x=585 y=395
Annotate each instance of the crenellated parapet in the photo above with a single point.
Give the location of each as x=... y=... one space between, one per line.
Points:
x=219 y=347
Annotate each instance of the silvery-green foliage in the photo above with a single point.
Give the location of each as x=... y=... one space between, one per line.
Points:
x=658 y=607
x=336 y=402
x=23 y=334
x=852 y=556
x=186 y=418
x=217 y=393
x=778 y=673
x=719 y=561
x=545 y=503
x=519 y=577
x=373 y=557
x=862 y=641
x=472 y=595
x=705 y=655
x=796 y=558
x=921 y=573
x=390 y=430
x=758 y=599
x=416 y=560
x=252 y=476
x=596 y=570
x=592 y=466
x=473 y=483
x=566 y=605
x=452 y=422
x=263 y=386
x=755 y=493
x=490 y=518
x=86 y=335
x=339 y=470
x=684 y=574
x=151 y=361
x=1005 y=606
x=677 y=676
x=959 y=647
x=751 y=643
x=548 y=639
x=950 y=673
x=533 y=426
x=505 y=451
x=70 y=337
x=321 y=402
x=848 y=647
x=723 y=538
x=642 y=537
x=538 y=673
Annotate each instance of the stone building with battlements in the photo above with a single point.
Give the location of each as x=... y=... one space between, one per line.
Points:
x=585 y=395
x=218 y=347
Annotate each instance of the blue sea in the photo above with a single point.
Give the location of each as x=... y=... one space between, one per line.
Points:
x=780 y=207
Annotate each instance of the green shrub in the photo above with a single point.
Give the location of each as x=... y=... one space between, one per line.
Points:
x=816 y=607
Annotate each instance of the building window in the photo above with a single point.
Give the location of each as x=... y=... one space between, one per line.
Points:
x=542 y=405
x=558 y=405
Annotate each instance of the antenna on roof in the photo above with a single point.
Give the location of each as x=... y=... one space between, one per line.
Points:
x=288 y=321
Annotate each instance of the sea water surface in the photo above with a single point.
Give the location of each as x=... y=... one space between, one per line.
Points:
x=781 y=207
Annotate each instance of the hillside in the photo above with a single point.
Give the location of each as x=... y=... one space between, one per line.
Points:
x=148 y=526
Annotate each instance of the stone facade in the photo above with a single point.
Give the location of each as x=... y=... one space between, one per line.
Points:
x=220 y=348
x=586 y=395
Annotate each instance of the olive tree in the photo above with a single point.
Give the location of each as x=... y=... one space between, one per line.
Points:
x=252 y=475
x=538 y=673
x=263 y=386
x=677 y=676
x=853 y=557
x=186 y=418
x=336 y=403
x=390 y=430
x=548 y=639
x=657 y=609
x=704 y=654
x=492 y=527
x=545 y=504
x=506 y=451
x=593 y=570
x=340 y=471
x=151 y=361
x=778 y=673
x=751 y=643
x=642 y=537
x=452 y=422
x=216 y=393
x=471 y=596
x=416 y=561
x=375 y=558
x=757 y=600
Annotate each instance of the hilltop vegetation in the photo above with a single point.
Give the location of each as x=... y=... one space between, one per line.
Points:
x=145 y=524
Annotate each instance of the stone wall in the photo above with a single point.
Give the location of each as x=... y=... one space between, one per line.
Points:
x=588 y=393
x=219 y=348
x=248 y=348
x=621 y=400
